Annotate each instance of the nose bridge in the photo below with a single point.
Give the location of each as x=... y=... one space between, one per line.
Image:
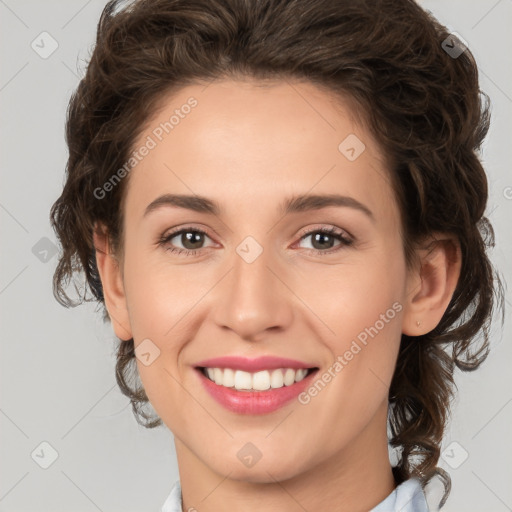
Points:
x=252 y=298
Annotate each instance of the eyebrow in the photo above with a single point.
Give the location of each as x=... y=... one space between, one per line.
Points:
x=294 y=204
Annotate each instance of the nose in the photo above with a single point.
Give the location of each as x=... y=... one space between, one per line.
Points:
x=254 y=297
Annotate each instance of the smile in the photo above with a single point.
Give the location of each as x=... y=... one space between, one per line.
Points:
x=254 y=386
x=257 y=381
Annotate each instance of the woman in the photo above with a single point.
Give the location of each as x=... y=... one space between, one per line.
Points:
x=280 y=205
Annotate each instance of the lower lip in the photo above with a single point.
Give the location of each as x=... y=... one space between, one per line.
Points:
x=254 y=402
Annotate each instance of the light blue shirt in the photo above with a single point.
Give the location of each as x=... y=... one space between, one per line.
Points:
x=407 y=497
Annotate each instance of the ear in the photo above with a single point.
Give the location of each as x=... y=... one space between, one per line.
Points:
x=431 y=284
x=111 y=276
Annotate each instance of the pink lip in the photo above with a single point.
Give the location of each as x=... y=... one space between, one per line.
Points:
x=253 y=365
x=254 y=402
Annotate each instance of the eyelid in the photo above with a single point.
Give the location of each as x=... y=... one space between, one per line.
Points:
x=345 y=238
x=168 y=235
x=325 y=228
x=304 y=231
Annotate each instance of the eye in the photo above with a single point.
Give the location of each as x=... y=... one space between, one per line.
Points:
x=323 y=238
x=191 y=238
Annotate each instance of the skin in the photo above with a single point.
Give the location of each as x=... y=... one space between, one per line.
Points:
x=249 y=147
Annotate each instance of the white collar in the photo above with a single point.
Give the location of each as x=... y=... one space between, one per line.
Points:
x=407 y=497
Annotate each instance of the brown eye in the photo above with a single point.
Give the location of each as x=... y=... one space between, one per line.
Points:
x=323 y=240
x=191 y=239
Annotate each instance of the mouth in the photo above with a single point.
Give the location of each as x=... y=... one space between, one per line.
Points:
x=260 y=392
x=255 y=381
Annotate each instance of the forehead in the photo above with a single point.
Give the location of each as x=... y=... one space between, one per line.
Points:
x=250 y=141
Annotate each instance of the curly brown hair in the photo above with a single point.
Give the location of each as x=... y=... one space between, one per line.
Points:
x=421 y=103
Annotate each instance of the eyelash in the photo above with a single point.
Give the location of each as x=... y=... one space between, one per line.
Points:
x=334 y=232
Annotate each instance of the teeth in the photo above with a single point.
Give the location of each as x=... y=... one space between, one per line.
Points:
x=289 y=377
x=243 y=380
x=228 y=378
x=259 y=381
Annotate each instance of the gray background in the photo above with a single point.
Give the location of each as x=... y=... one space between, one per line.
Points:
x=57 y=365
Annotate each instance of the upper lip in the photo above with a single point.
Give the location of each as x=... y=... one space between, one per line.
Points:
x=253 y=365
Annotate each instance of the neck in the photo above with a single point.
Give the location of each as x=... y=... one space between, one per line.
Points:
x=356 y=478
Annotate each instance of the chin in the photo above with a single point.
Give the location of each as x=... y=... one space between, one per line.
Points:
x=262 y=472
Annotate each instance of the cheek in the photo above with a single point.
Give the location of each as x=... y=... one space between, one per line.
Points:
x=365 y=316
x=361 y=305
x=165 y=301
x=156 y=293
x=354 y=296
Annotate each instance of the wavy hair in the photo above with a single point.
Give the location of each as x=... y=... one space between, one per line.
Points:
x=422 y=104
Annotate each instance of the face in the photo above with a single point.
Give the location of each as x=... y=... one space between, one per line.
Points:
x=321 y=283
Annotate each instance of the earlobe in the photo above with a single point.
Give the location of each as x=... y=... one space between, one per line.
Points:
x=431 y=285
x=112 y=283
